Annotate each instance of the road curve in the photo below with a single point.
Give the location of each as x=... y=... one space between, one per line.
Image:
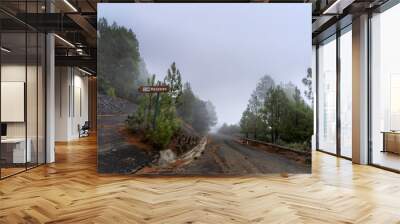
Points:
x=223 y=155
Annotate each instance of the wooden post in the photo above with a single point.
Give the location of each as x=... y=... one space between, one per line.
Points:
x=156 y=110
x=154 y=89
x=147 y=115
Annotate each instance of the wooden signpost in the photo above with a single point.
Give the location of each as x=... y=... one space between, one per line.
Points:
x=158 y=90
x=154 y=89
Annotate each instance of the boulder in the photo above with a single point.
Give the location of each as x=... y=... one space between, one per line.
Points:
x=167 y=157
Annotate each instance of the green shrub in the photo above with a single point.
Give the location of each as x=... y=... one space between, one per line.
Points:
x=111 y=92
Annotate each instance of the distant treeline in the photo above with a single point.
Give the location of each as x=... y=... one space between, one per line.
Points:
x=229 y=129
x=277 y=114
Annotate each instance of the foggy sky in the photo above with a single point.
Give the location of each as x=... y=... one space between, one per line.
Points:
x=221 y=49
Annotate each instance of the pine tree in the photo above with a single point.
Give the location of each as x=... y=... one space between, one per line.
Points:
x=167 y=123
x=245 y=122
x=275 y=109
x=185 y=108
x=307 y=81
x=174 y=81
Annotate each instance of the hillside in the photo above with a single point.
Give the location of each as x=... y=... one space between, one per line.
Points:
x=107 y=105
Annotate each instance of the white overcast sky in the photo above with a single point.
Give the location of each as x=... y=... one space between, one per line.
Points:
x=221 y=49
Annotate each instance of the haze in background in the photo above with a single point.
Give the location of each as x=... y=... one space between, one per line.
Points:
x=221 y=49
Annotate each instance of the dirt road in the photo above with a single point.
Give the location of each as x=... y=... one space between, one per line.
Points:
x=224 y=155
